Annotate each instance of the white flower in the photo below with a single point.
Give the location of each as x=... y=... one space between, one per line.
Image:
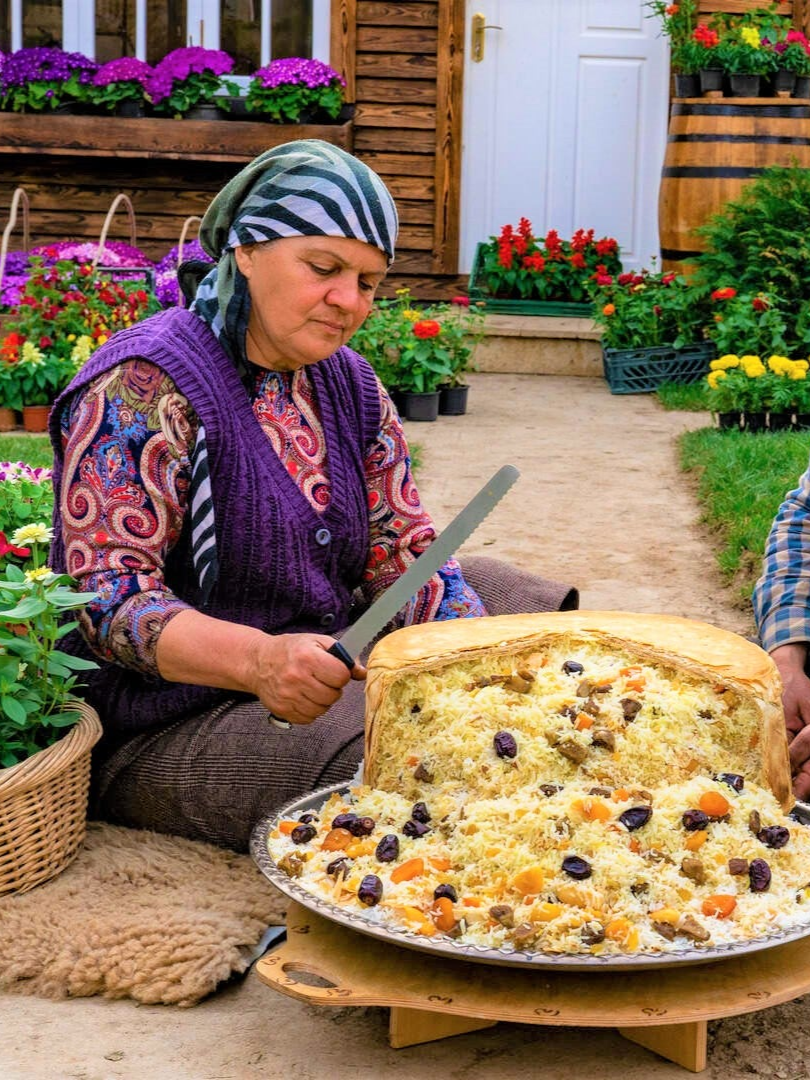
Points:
x=38 y=533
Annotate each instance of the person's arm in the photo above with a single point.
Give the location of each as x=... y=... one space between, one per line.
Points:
x=782 y=611
x=401 y=529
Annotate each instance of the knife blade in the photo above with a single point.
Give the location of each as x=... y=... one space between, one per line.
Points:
x=396 y=596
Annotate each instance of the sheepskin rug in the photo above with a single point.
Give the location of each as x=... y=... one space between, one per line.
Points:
x=156 y=918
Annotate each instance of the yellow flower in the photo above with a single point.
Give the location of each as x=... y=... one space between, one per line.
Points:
x=36 y=533
x=779 y=365
x=714 y=377
x=403 y=292
x=30 y=354
x=722 y=363
x=411 y=315
x=41 y=573
x=751 y=37
x=71 y=337
x=102 y=338
x=796 y=373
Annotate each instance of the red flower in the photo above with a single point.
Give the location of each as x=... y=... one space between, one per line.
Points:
x=9 y=549
x=625 y=279
x=505 y=254
x=577 y=260
x=462 y=301
x=520 y=246
x=427 y=328
x=667 y=279
x=672 y=10
x=507 y=234
x=724 y=294
x=553 y=244
x=657 y=310
x=525 y=229
x=534 y=262
x=760 y=303
x=606 y=246
x=706 y=37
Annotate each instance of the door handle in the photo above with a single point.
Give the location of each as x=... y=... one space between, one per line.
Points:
x=479 y=25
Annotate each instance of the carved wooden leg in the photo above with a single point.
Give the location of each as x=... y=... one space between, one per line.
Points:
x=409 y=1027
x=685 y=1044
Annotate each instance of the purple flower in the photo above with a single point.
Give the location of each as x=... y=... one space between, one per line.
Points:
x=166 y=288
x=44 y=65
x=177 y=65
x=124 y=69
x=297 y=70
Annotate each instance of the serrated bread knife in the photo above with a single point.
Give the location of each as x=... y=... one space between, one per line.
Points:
x=396 y=596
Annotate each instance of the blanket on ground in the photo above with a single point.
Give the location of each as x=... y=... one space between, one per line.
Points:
x=159 y=919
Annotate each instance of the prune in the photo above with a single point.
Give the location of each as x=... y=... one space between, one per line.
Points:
x=630 y=709
x=306 y=818
x=420 y=812
x=445 y=890
x=635 y=817
x=759 y=875
x=415 y=829
x=302 y=834
x=343 y=821
x=388 y=848
x=734 y=780
x=550 y=789
x=338 y=866
x=576 y=867
x=362 y=826
x=693 y=820
x=370 y=891
x=572 y=667
x=738 y=866
x=505 y=745
x=774 y=836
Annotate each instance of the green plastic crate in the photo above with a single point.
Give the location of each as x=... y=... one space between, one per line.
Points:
x=640 y=371
x=498 y=306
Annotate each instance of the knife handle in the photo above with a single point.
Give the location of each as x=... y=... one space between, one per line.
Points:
x=342 y=654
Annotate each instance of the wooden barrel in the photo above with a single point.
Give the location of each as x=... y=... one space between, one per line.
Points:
x=714 y=148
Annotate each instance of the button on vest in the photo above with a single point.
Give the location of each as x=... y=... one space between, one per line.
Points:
x=322 y=537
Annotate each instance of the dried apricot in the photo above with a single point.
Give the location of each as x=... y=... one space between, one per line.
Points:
x=407 y=871
x=721 y=906
x=714 y=804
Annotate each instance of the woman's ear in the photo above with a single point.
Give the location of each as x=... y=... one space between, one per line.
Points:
x=244 y=258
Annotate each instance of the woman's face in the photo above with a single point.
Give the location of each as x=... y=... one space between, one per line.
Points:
x=308 y=296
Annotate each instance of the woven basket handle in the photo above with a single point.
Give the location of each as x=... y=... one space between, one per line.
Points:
x=187 y=224
x=121 y=197
x=18 y=197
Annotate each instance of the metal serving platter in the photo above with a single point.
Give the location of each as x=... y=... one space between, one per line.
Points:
x=507 y=957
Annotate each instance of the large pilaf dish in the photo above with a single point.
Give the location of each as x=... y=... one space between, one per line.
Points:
x=581 y=783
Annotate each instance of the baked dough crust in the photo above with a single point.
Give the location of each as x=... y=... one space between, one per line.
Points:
x=696 y=648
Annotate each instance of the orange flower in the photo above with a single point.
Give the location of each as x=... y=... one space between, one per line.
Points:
x=608 y=309
x=427 y=328
x=672 y=10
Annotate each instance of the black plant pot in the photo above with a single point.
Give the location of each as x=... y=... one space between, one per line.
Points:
x=453 y=400
x=711 y=79
x=744 y=85
x=780 y=421
x=784 y=81
x=729 y=421
x=802 y=422
x=420 y=406
x=802 y=87
x=754 y=421
x=687 y=86
x=206 y=111
x=130 y=108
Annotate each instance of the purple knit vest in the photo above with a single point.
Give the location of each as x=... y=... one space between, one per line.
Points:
x=283 y=566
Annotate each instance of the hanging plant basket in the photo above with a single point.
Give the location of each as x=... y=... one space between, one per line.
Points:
x=43 y=807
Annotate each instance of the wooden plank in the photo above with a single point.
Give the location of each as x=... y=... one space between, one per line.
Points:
x=395 y=116
x=396 y=66
x=801 y=15
x=194 y=140
x=412 y=1027
x=409 y=262
x=413 y=213
x=412 y=92
x=399 y=164
x=343 y=42
x=448 y=136
x=396 y=139
x=396 y=40
x=685 y=1044
x=739 y=7
x=415 y=238
x=403 y=14
x=425 y=288
x=411 y=187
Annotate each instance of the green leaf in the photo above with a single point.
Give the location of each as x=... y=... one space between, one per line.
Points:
x=13 y=708
x=26 y=609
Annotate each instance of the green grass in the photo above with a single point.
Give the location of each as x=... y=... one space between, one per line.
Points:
x=35 y=450
x=690 y=397
x=741 y=480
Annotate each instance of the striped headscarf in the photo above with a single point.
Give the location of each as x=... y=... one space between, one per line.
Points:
x=303 y=188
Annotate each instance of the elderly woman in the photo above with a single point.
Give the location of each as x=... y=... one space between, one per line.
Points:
x=232 y=481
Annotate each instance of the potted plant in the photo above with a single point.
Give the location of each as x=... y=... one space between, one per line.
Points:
x=745 y=60
x=678 y=22
x=707 y=59
x=721 y=393
x=516 y=272
x=10 y=394
x=32 y=80
x=740 y=384
x=652 y=331
x=186 y=82
x=793 y=64
x=742 y=322
x=119 y=86
x=46 y=731
x=296 y=90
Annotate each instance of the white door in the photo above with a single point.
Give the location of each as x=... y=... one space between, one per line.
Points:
x=565 y=122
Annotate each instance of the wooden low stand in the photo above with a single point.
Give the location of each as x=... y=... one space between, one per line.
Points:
x=665 y=1010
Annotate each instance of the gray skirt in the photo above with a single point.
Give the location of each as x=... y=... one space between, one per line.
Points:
x=213 y=776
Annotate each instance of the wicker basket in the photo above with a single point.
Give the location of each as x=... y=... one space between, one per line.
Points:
x=43 y=807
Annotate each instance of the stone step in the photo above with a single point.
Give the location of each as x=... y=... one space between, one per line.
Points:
x=540 y=345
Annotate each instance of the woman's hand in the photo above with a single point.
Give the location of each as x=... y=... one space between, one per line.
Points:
x=791 y=659
x=296 y=678
x=292 y=675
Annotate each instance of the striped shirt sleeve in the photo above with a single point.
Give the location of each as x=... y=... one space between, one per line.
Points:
x=781 y=596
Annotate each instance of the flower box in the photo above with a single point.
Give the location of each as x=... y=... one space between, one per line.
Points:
x=501 y=306
x=640 y=371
